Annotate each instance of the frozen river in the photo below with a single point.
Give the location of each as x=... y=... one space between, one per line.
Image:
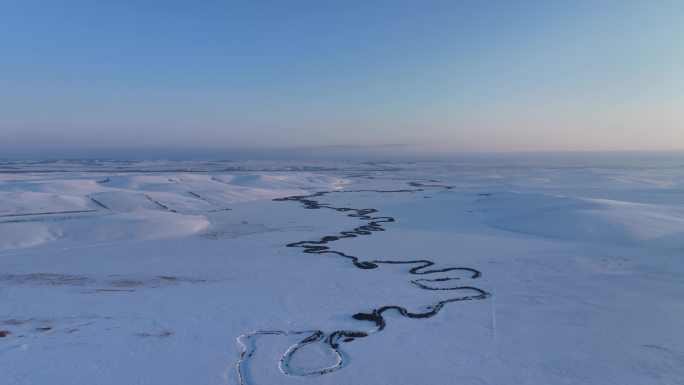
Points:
x=262 y=273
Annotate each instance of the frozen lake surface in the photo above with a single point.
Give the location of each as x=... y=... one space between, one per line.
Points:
x=262 y=273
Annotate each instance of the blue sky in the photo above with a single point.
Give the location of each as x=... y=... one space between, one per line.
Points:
x=469 y=75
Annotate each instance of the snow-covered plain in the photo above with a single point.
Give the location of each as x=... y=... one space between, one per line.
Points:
x=178 y=273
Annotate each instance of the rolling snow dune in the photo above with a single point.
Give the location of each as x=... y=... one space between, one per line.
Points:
x=585 y=220
x=26 y=202
x=135 y=225
x=24 y=235
x=130 y=207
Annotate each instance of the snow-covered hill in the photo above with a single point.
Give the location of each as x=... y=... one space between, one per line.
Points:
x=179 y=273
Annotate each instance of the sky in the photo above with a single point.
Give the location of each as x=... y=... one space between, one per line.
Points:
x=424 y=75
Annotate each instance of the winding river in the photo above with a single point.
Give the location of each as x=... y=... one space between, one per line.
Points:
x=422 y=271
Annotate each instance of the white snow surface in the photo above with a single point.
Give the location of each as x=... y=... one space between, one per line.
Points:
x=149 y=273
